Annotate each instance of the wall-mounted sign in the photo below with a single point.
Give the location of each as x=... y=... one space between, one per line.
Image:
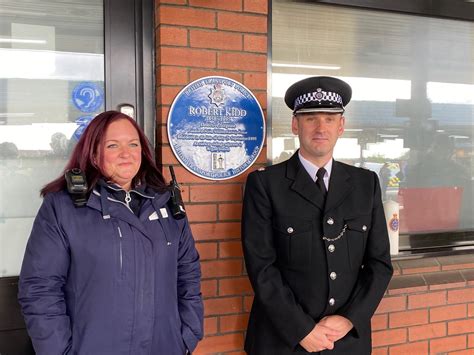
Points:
x=82 y=123
x=87 y=97
x=216 y=128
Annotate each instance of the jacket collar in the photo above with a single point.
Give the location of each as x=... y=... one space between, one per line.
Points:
x=303 y=184
x=117 y=190
x=102 y=200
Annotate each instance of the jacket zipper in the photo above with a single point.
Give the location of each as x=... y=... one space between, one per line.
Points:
x=128 y=198
x=120 y=250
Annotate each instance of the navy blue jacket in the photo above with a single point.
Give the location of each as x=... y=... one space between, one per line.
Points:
x=100 y=280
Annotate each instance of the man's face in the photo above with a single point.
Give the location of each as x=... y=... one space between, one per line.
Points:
x=318 y=133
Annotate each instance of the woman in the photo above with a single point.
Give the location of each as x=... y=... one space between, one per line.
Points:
x=119 y=275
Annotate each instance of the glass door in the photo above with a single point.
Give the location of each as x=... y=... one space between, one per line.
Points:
x=61 y=63
x=52 y=85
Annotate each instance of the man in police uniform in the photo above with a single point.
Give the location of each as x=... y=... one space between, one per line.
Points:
x=315 y=238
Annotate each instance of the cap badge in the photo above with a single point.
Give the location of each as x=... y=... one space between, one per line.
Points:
x=318 y=94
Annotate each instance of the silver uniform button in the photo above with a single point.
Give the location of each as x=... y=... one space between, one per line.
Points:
x=290 y=230
x=333 y=275
x=331 y=248
x=330 y=221
x=364 y=227
x=332 y=301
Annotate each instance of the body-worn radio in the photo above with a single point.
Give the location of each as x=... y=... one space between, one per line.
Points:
x=175 y=203
x=76 y=186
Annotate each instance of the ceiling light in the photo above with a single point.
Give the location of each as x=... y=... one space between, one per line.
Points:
x=459 y=137
x=17 y=40
x=16 y=114
x=304 y=66
x=387 y=135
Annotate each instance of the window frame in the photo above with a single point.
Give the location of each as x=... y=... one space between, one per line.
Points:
x=447 y=9
x=128 y=43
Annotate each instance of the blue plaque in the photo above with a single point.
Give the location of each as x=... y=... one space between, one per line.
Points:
x=87 y=97
x=216 y=128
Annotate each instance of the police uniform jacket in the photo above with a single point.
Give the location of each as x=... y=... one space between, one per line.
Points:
x=298 y=276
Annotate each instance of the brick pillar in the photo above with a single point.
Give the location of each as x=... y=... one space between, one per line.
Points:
x=197 y=38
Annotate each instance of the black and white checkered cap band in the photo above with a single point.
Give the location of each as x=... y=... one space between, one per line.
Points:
x=318 y=96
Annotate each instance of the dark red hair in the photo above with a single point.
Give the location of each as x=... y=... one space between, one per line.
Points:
x=91 y=141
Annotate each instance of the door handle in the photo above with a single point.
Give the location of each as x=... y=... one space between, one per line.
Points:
x=127 y=109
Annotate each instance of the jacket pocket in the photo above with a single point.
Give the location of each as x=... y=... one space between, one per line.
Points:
x=119 y=249
x=120 y=252
x=358 y=228
x=293 y=240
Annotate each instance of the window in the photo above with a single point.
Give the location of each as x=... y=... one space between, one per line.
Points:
x=51 y=81
x=411 y=118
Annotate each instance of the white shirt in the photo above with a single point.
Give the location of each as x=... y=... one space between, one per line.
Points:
x=313 y=169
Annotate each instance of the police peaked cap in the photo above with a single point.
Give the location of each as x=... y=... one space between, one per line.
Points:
x=318 y=94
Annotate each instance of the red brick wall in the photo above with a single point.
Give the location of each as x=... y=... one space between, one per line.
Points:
x=197 y=38
x=429 y=307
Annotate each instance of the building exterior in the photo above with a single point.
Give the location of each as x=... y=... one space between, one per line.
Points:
x=429 y=306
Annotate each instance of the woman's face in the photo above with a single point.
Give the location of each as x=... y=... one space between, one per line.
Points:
x=121 y=153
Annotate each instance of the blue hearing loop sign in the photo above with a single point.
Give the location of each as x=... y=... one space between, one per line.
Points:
x=87 y=97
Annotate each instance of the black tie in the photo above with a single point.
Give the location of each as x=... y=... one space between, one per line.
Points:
x=320 y=182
